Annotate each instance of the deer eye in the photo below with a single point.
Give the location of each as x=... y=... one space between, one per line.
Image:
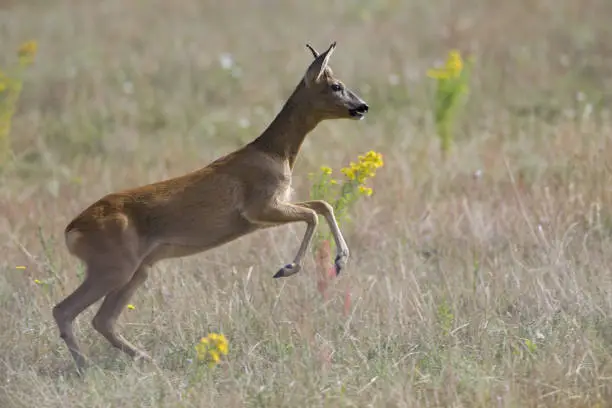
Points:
x=336 y=87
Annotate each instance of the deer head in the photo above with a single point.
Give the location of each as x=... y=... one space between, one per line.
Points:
x=326 y=95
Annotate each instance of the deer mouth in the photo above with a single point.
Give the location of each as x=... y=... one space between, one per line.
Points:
x=357 y=114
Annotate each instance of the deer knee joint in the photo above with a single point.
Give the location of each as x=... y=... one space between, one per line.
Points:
x=101 y=324
x=312 y=219
x=326 y=208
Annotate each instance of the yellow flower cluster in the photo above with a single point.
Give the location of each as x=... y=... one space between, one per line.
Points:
x=327 y=172
x=211 y=348
x=452 y=68
x=343 y=193
x=27 y=51
x=364 y=169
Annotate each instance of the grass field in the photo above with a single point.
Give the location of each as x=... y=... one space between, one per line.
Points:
x=477 y=279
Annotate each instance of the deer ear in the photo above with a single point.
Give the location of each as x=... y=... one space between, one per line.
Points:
x=316 y=69
x=314 y=52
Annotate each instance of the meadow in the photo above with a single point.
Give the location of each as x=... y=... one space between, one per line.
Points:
x=479 y=275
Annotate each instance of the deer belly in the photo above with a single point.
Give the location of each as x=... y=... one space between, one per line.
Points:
x=198 y=235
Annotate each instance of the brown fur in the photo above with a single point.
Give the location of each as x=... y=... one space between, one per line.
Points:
x=123 y=234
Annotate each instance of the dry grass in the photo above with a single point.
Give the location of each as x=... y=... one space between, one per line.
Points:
x=479 y=281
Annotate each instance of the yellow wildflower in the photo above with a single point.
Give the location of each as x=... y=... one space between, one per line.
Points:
x=223 y=348
x=221 y=343
x=38 y=282
x=326 y=170
x=349 y=172
x=454 y=63
x=365 y=168
x=365 y=190
x=375 y=158
x=211 y=348
x=28 y=50
x=214 y=356
x=131 y=307
x=452 y=68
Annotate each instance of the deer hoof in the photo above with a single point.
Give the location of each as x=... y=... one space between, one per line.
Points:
x=288 y=270
x=340 y=263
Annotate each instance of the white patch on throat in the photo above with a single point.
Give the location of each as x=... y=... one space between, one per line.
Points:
x=286 y=195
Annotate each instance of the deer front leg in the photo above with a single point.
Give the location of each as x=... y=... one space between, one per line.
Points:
x=323 y=208
x=284 y=213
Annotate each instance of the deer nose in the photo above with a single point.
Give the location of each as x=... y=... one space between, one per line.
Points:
x=363 y=108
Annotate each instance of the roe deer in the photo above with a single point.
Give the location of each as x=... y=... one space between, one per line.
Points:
x=122 y=235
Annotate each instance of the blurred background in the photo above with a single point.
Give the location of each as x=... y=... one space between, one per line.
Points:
x=509 y=233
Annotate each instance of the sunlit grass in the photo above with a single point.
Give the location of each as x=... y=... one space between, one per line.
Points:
x=480 y=280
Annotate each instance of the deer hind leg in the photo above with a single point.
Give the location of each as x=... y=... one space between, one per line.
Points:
x=97 y=283
x=284 y=213
x=113 y=305
x=327 y=211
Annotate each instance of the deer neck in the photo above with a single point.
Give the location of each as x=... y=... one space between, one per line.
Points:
x=284 y=136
